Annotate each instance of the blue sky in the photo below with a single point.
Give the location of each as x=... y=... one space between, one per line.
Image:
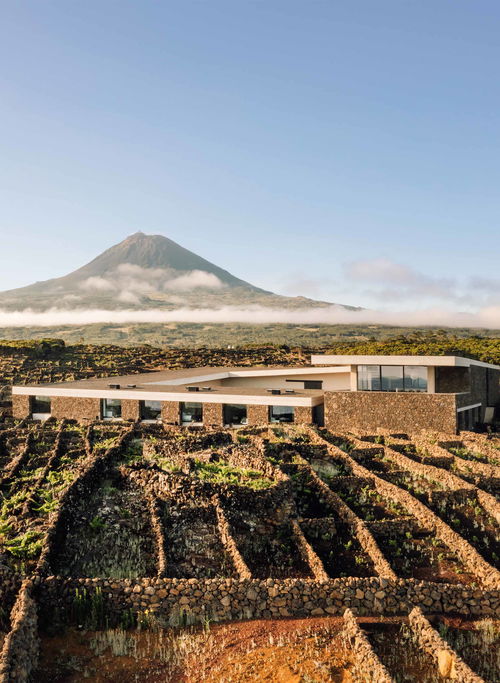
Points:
x=345 y=150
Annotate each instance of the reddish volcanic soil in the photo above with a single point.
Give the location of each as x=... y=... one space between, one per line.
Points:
x=284 y=651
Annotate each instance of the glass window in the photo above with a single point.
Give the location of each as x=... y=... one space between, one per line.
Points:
x=415 y=378
x=191 y=412
x=40 y=405
x=150 y=410
x=281 y=413
x=235 y=414
x=392 y=377
x=111 y=408
x=368 y=377
x=313 y=384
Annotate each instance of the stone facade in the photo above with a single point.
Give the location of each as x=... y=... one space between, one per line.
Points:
x=397 y=412
x=76 y=408
x=170 y=412
x=303 y=415
x=257 y=415
x=130 y=410
x=451 y=380
x=20 y=406
x=213 y=415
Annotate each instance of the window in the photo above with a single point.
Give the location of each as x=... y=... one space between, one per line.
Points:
x=368 y=377
x=235 y=414
x=392 y=378
x=40 y=405
x=191 y=412
x=415 y=378
x=308 y=383
x=150 y=410
x=111 y=408
x=313 y=384
x=281 y=413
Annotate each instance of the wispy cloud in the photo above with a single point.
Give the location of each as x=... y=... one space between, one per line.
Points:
x=488 y=317
x=399 y=281
x=390 y=283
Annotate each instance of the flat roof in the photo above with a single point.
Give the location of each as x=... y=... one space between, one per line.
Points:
x=446 y=361
x=162 y=379
x=172 y=385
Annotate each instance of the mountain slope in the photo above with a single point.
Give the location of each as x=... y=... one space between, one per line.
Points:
x=145 y=271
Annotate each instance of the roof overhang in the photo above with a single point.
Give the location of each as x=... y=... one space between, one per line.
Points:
x=184 y=396
x=436 y=361
x=260 y=372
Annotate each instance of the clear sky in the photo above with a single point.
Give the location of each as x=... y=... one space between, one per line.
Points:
x=341 y=149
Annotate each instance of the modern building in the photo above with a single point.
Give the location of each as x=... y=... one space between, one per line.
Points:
x=399 y=393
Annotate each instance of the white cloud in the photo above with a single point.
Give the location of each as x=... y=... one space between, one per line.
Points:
x=488 y=317
x=132 y=282
x=97 y=284
x=128 y=297
x=194 y=280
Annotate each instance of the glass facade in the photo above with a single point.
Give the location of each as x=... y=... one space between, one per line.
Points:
x=235 y=414
x=415 y=378
x=392 y=378
x=191 y=412
x=111 y=408
x=368 y=377
x=281 y=413
x=150 y=410
x=40 y=405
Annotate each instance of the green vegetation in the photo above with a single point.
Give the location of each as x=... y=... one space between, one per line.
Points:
x=25 y=546
x=483 y=344
x=220 y=473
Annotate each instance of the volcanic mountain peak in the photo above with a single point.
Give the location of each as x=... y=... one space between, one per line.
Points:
x=153 y=251
x=146 y=271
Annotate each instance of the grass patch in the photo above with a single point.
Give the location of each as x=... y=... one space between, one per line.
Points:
x=221 y=473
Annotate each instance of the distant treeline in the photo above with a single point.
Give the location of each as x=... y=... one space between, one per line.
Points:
x=39 y=348
x=486 y=349
x=436 y=343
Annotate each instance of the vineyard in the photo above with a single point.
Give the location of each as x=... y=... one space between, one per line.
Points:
x=147 y=552
x=126 y=540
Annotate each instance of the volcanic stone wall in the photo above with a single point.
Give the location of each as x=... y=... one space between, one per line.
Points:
x=303 y=415
x=212 y=414
x=73 y=408
x=368 y=666
x=397 y=412
x=177 y=601
x=448 y=663
x=257 y=415
x=20 y=650
x=170 y=412
x=20 y=406
x=130 y=410
x=452 y=380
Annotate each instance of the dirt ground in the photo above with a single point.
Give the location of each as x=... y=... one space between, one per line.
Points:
x=279 y=651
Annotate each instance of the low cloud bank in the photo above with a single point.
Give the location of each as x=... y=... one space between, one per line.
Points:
x=488 y=317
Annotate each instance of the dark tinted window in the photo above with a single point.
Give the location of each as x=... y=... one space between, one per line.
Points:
x=191 y=412
x=281 y=413
x=235 y=414
x=40 y=404
x=150 y=410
